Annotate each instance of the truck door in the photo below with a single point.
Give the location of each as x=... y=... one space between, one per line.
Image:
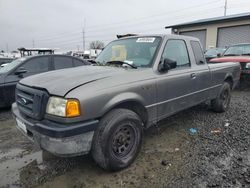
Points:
x=202 y=73
x=176 y=88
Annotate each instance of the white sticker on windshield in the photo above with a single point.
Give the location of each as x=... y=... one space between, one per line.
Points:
x=146 y=39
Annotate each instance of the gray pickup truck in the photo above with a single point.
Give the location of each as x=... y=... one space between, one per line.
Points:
x=103 y=108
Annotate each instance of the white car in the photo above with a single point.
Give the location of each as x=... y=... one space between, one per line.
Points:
x=3 y=65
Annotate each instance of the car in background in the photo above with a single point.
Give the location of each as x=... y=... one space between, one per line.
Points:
x=3 y=65
x=4 y=60
x=213 y=53
x=239 y=53
x=31 y=65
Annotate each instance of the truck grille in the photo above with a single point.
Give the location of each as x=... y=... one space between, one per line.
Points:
x=31 y=102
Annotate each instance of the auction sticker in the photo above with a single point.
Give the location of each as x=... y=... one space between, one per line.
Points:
x=146 y=39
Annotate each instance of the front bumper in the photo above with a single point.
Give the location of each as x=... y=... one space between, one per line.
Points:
x=58 y=139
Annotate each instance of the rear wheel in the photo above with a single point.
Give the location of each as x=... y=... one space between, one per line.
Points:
x=117 y=140
x=222 y=101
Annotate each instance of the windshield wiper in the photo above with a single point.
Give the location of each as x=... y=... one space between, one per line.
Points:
x=121 y=63
x=246 y=54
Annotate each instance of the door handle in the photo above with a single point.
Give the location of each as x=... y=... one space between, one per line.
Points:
x=193 y=75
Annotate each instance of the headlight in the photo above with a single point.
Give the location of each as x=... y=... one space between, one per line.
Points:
x=248 y=66
x=63 y=107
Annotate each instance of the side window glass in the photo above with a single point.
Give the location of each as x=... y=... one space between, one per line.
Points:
x=78 y=62
x=176 y=50
x=198 y=53
x=62 y=62
x=37 y=65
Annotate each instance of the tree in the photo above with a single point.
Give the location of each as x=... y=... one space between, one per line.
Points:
x=96 y=45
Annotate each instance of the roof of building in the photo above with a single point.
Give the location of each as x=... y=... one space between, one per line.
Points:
x=234 y=17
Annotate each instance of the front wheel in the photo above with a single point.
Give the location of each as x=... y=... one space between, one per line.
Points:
x=222 y=101
x=117 y=140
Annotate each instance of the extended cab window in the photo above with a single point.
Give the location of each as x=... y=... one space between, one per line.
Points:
x=62 y=62
x=176 y=50
x=198 y=53
x=37 y=65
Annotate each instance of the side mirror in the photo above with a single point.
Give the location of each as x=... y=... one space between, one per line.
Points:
x=219 y=55
x=166 y=65
x=20 y=71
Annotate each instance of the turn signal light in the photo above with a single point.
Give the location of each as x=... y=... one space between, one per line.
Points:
x=72 y=108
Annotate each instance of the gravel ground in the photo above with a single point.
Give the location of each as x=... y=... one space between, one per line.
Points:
x=217 y=155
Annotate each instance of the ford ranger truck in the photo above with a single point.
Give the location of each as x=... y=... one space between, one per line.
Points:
x=103 y=108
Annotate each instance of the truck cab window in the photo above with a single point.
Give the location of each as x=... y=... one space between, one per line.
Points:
x=176 y=50
x=198 y=53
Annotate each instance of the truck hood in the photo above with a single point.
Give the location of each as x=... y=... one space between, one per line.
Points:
x=241 y=59
x=60 y=82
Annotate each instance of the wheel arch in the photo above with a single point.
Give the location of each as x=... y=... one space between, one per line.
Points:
x=229 y=79
x=134 y=104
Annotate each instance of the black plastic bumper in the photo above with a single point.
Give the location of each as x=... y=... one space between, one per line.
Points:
x=61 y=140
x=53 y=129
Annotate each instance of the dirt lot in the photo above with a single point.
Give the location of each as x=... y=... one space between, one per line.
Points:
x=217 y=155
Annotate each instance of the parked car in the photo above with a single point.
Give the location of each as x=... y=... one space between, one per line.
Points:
x=103 y=108
x=237 y=53
x=27 y=66
x=4 y=60
x=3 y=65
x=213 y=53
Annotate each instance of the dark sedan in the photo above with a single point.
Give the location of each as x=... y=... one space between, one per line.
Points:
x=27 y=66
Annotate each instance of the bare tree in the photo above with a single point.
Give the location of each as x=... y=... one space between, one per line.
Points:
x=96 y=45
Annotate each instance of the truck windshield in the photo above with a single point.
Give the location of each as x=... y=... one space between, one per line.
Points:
x=138 y=51
x=11 y=65
x=238 y=50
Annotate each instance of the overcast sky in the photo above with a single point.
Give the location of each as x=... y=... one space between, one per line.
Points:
x=59 y=23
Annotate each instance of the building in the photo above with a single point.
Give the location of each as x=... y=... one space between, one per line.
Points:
x=218 y=31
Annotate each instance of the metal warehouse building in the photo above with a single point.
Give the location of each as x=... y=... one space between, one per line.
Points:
x=217 y=32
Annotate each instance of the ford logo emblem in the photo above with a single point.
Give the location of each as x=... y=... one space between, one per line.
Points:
x=24 y=101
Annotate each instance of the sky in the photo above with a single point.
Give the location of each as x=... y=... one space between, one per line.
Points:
x=59 y=23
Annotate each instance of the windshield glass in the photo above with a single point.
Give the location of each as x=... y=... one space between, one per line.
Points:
x=137 y=51
x=214 y=51
x=11 y=65
x=237 y=50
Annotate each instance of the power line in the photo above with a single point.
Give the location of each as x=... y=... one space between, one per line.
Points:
x=141 y=18
x=114 y=28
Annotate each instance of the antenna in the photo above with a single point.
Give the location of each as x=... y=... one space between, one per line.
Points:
x=33 y=43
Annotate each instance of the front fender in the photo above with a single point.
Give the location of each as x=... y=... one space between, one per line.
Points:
x=122 y=98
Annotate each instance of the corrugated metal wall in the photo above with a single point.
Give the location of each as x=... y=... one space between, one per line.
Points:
x=233 y=35
x=201 y=35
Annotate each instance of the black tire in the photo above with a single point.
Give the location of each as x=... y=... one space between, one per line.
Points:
x=117 y=140
x=222 y=101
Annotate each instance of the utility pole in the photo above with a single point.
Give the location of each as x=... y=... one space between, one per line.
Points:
x=33 y=43
x=225 y=8
x=83 y=36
